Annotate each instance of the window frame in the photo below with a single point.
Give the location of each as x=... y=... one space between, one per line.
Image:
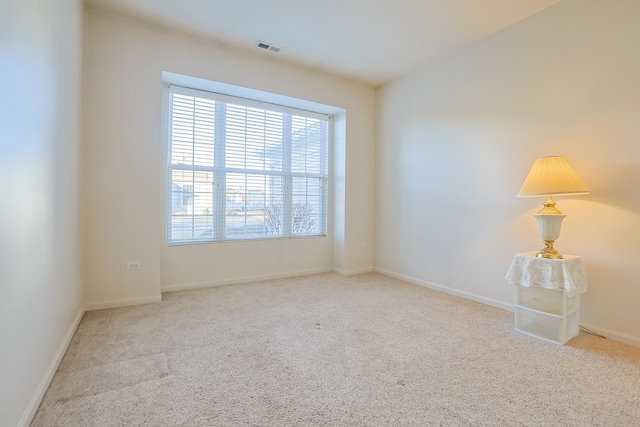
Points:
x=220 y=170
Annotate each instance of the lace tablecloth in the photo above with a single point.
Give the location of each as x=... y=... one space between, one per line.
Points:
x=563 y=274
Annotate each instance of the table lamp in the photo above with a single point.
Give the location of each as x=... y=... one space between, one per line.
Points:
x=551 y=176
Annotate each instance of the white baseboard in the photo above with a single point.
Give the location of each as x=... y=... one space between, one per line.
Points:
x=122 y=302
x=29 y=413
x=352 y=272
x=243 y=279
x=464 y=294
x=614 y=335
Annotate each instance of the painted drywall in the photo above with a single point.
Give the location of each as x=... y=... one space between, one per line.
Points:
x=40 y=210
x=125 y=172
x=457 y=138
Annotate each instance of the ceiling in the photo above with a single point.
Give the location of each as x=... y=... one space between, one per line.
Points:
x=375 y=41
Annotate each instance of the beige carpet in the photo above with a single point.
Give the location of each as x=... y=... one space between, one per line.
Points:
x=333 y=351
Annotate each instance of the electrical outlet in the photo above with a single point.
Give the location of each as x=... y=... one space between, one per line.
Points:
x=133 y=265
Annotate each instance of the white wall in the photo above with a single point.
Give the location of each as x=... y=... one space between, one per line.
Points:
x=40 y=219
x=124 y=172
x=457 y=138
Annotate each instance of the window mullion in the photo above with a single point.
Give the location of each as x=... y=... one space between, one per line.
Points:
x=193 y=175
x=287 y=182
x=169 y=189
x=219 y=174
x=324 y=181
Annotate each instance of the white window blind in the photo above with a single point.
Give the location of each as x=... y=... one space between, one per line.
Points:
x=243 y=169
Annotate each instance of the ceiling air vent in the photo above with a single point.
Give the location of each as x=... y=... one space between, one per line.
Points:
x=267 y=46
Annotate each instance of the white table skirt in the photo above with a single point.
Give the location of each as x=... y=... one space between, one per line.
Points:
x=562 y=274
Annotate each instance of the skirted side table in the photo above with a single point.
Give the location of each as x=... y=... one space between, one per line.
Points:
x=547 y=303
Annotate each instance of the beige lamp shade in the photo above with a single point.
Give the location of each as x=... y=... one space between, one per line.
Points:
x=552 y=176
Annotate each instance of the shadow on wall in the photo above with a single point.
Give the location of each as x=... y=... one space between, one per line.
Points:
x=617 y=185
x=608 y=287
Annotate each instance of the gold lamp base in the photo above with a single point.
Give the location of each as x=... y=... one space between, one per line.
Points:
x=549 y=251
x=549 y=222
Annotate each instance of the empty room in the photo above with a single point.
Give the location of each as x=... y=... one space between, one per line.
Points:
x=337 y=213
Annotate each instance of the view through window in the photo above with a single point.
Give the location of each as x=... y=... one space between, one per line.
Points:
x=242 y=169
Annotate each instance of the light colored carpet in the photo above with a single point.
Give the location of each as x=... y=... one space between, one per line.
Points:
x=328 y=350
